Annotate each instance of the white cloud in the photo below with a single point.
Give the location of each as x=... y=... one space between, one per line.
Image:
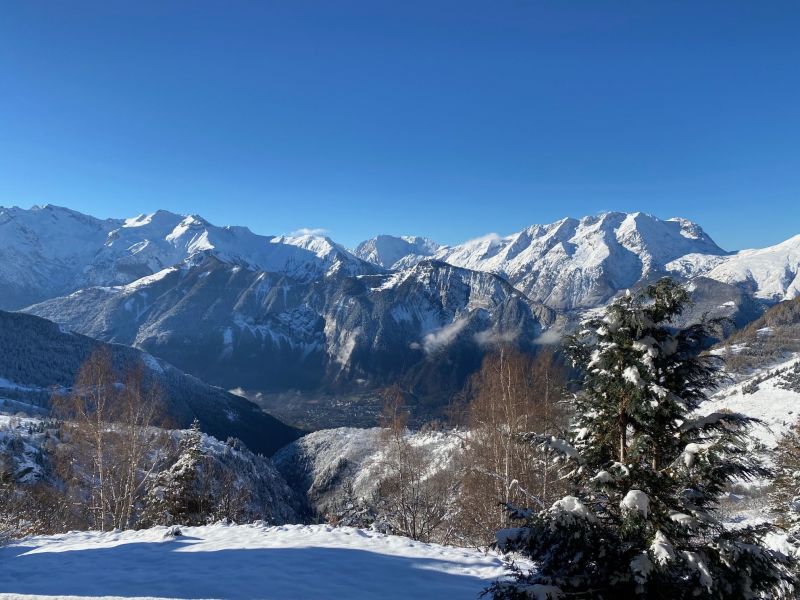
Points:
x=489 y=237
x=549 y=337
x=308 y=231
x=490 y=337
x=443 y=337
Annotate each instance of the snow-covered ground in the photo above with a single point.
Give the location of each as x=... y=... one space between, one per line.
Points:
x=769 y=399
x=242 y=561
x=334 y=466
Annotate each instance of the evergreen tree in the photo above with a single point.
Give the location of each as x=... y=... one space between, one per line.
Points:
x=175 y=495
x=648 y=475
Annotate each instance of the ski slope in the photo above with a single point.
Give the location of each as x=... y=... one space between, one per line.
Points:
x=242 y=561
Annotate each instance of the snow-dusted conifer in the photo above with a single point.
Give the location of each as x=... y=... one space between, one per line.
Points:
x=648 y=475
x=172 y=497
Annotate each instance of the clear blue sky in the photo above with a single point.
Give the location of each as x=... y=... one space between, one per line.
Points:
x=446 y=119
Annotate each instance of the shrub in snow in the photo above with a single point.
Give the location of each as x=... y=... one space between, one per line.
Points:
x=172 y=532
x=642 y=519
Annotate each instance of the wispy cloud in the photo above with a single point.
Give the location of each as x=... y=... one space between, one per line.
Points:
x=443 y=337
x=548 y=337
x=309 y=231
x=491 y=337
x=489 y=237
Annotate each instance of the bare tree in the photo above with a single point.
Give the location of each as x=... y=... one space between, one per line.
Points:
x=511 y=395
x=109 y=421
x=416 y=500
x=136 y=444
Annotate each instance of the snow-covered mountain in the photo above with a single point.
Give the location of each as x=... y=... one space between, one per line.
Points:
x=51 y=251
x=266 y=331
x=395 y=252
x=574 y=263
x=300 y=312
x=771 y=273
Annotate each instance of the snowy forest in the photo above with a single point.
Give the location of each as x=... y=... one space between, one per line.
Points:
x=592 y=466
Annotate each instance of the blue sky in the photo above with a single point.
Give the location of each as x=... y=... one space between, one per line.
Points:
x=445 y=119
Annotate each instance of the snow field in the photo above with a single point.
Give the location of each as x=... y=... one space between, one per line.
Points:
x=243 y=561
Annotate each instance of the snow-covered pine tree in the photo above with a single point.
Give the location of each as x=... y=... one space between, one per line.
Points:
x=648 y=475
x=173 y=496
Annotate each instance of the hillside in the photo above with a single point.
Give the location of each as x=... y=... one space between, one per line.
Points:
x=30 y=450
x=770 y=338
x=330 y=468
x=763 y=360
x=37 y=355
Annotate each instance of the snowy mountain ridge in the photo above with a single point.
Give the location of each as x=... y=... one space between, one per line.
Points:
x=394 y=252
x=50 y=251
x=257 y=330
x=576 y=264
x=571 y=264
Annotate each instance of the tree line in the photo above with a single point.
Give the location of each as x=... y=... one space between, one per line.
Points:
x=461 y=500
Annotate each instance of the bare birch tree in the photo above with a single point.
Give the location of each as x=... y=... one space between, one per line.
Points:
x=511 y=395
x=416 y=501
x=108 y=421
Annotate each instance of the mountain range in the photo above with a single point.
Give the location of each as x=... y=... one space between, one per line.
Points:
x=302 y=314
x=51 y=251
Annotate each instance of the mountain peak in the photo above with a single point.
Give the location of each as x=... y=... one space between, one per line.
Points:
x=392 y=252
x=580 y=263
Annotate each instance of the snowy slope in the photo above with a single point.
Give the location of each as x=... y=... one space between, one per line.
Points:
x=771 y=273
x=763 y=360
x=50 y=251
x=396 y=252
x=334 y=466
x=771 y=395
x=246 y=561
